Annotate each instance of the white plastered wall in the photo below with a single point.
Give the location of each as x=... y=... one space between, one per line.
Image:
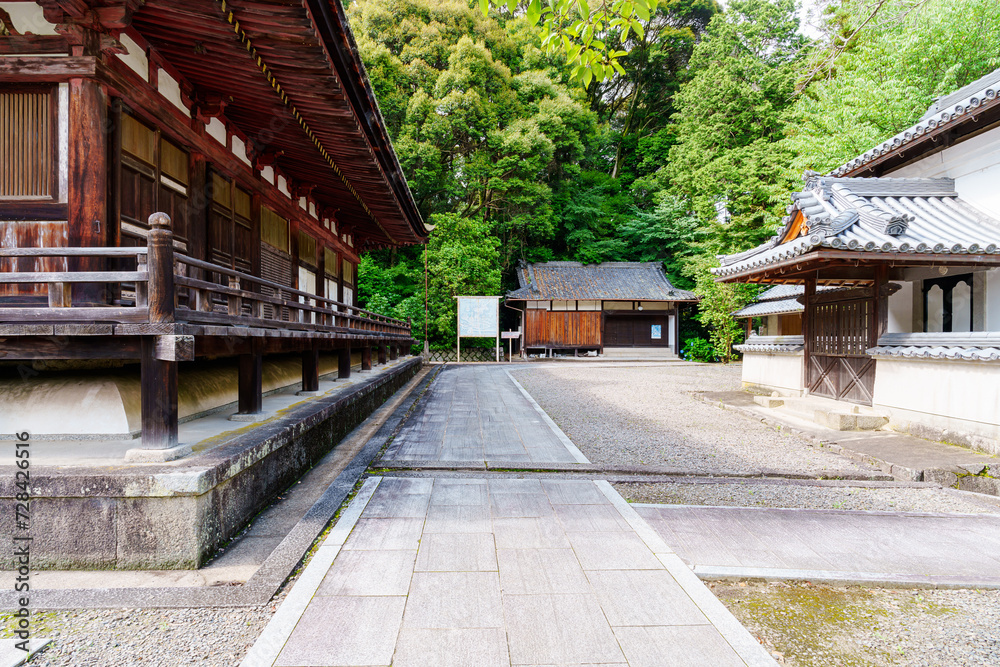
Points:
x=781 y=372
x=28 y=17
x=956 y=400
x=88 y=406
x=975 y=166
x=901 y=309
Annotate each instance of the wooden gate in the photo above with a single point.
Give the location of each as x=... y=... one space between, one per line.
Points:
x=839 y=334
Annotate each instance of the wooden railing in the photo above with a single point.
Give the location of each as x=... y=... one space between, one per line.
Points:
x=171 y=287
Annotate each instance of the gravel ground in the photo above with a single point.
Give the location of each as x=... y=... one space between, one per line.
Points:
x=149 y=637
x=807 y=625
x=807 y=496
x=644 y=416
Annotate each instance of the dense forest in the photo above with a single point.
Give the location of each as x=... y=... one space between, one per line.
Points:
x=690 y=150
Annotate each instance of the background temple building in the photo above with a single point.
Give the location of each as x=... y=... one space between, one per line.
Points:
x=909 y=234
x=572 y=306
x=186 y=187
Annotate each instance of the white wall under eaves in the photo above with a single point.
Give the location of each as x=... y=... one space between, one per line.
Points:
x=973 y=163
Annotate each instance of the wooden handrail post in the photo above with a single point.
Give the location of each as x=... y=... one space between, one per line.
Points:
x=235 y=302
x=160 y=259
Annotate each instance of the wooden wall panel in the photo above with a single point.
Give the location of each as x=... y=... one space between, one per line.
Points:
x=562 y=329
x=31 y=234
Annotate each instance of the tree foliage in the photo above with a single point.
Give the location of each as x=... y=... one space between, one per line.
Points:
x=688 y=148
x=728 y=160
x=579 y=30
x=889 y=74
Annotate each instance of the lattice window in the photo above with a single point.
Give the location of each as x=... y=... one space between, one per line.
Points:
x=27 y=143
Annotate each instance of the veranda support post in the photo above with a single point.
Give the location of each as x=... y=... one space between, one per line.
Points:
x=344 y=363
x=158 y=359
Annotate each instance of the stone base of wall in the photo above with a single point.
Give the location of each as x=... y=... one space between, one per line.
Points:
x=176 y=515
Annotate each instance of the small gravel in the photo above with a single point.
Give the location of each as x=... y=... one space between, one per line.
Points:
x=643 y=415
x=152 y=637
x=805 y=496
x=806 y=625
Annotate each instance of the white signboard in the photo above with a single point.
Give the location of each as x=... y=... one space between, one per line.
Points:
x=479 y=316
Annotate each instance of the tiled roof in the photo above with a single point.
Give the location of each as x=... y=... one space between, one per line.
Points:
x=965 y=346
x=889 y=215
x=945 y=111
x=779 y=307
x=778 y=300
x=632 y=281
x=772 y=344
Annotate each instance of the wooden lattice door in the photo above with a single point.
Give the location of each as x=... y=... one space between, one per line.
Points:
x=840 y=334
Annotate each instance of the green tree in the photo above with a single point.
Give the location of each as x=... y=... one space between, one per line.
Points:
x=728 y=160
x=578 y=30
x=668 y=234
x=889 y=73
x=489 y=127
x=463 y=259
x=718 y=303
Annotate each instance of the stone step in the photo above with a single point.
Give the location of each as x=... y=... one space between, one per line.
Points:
x=638 y=353
x=828 y=413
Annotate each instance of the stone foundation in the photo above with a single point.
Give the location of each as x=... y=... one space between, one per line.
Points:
x=176 y=515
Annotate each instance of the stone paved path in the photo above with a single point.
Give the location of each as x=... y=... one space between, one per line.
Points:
x=832 y=545
x=495 y=571
x=480 y=413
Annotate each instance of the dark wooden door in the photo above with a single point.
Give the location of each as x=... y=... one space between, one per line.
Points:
x=618 y=331
x=636 y=330
x=839 y=367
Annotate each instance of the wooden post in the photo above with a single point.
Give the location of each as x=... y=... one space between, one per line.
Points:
x=344 y=363
x=310 y=368
x=677 y=329
x=159 y=400
x=381 y=355
x=393 y=352
x=880 y=305
x=87 y=183
x=807 y=328
x=158 y=396
x=251 y=379
x=160 y=263
x=366 y=358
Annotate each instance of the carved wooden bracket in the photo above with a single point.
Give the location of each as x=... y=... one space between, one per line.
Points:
x=91 y=30
x=208 y=105
x=299 y=189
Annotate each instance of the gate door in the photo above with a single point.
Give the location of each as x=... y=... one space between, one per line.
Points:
x=839 y=335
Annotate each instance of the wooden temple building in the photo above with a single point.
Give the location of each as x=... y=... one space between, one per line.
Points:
x=908 y=235
x=568 y=306
x=186 y=180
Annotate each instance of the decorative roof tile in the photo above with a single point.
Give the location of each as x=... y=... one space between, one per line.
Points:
x=885 y=215
x=631 y=281
x=962 y=346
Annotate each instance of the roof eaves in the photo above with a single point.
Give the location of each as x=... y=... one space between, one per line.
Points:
x=987 y=95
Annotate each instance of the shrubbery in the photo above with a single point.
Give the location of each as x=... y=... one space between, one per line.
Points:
x=698 y=349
